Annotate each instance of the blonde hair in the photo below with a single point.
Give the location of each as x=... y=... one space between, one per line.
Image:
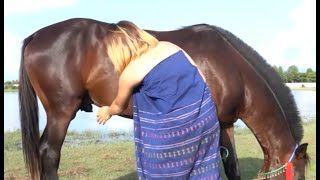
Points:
x=125 y=42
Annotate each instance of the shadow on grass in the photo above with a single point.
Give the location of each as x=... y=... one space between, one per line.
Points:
x=131 y=176
x=249 y=169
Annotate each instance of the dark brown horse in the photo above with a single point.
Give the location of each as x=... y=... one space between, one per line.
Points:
x=66 y=66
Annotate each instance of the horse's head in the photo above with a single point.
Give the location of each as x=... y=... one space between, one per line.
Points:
x=300 y=161
x=293 y=169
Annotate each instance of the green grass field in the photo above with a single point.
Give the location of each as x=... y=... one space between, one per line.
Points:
x=115 y=160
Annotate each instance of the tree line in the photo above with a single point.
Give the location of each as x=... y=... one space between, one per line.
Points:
x=11 y=84
x=292 y=74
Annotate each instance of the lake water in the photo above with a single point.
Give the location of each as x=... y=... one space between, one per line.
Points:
x=306 y=102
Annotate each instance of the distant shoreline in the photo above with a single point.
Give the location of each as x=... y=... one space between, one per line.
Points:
x=303 y=88
x=10 y=90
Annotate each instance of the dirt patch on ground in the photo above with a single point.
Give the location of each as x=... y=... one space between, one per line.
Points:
x=109 y=156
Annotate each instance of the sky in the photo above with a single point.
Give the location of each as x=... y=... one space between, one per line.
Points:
x=283 y=32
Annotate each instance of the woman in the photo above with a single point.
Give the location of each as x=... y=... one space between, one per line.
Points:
x=176 y=129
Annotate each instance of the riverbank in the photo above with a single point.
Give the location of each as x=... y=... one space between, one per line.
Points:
x=303 y=88
x=116 y=160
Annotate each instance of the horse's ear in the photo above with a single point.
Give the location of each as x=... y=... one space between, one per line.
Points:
x=301 y=151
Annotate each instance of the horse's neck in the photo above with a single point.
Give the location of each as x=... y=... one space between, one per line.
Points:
x=276 y=141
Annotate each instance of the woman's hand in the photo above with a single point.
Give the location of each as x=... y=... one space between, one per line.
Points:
x=102 y=115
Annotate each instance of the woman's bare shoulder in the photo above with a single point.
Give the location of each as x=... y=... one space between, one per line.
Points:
x=169 y=46
x=138 y=68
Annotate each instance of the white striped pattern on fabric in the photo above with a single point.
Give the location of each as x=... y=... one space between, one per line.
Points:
x=168 y=146
x=172 y=127
x=206 y=159
x=146 y=112
x=157 y=113
x=165 y=175
x=180 y=117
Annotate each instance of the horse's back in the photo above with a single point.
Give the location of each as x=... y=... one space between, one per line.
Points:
x=73 y=51
x=63 y=34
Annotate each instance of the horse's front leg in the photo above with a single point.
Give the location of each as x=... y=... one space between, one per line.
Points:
x=58 y=120
x=230 y=163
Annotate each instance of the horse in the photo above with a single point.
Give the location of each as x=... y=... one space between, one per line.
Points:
x=66 y=66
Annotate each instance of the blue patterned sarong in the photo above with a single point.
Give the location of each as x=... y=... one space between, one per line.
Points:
x=176 y=129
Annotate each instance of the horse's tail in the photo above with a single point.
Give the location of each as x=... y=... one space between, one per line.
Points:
x=29 y=120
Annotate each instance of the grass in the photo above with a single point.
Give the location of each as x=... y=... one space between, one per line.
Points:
x=116 y=160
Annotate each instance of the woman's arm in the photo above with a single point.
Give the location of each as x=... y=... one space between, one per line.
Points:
x=128 y=80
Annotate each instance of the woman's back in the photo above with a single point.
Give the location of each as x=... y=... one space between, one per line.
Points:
x=147 y=61
x=170 y=83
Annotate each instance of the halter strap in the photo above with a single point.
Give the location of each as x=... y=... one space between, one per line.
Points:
x=294 y=151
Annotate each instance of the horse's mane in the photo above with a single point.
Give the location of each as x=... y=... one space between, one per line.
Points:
x=280 y=90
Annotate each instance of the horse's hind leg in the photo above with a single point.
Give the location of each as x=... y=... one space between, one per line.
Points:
x=58 y=120
x=231 y=164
